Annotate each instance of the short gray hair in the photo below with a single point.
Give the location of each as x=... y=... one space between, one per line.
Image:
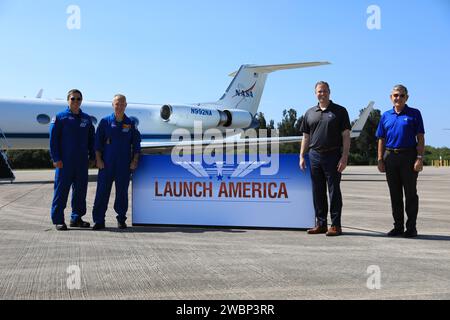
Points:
x=324 y=84
x=120 y=96
x=401 y=87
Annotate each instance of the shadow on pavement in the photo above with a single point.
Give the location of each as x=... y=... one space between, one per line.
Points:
x=139 y=229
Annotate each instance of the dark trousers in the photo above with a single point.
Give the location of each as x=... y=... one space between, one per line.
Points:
x=324 y=173
x=401 y=177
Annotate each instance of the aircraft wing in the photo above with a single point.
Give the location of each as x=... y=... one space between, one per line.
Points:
x=146 y=145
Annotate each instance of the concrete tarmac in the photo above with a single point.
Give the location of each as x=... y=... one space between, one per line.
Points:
x=38 y=262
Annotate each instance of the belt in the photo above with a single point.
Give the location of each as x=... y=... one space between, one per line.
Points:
x=326 y=149
x=400 y=150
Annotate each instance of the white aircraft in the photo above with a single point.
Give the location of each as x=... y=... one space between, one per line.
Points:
x=24 y=123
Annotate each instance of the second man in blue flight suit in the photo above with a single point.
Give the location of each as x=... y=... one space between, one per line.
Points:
x=117 y=149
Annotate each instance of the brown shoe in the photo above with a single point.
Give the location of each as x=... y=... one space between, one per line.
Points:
x=317 y=230
x=334 y=231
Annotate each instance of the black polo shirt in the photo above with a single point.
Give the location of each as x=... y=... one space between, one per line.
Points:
x=325 y=127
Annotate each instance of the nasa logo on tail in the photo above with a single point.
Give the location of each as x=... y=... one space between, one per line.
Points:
x=245 y=93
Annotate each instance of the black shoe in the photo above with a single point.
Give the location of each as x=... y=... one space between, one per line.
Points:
x=121 y=225
x=98 y=226
x=61 y=227
x=79 y=224
x=395 y=233
x=410 y=233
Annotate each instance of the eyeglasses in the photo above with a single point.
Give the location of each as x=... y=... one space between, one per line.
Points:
x=75 y=99
x=396 y=95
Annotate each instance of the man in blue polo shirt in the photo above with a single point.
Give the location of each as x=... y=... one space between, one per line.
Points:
x=401 y=147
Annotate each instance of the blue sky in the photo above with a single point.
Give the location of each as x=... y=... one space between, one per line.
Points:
x=182 y=51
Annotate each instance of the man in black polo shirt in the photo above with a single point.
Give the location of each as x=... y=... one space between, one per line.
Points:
x=326 y=134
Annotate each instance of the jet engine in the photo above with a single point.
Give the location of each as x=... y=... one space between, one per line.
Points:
x=186 y=116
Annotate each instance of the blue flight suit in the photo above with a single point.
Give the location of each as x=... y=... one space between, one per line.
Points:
x=118 y=142
x=72 y=142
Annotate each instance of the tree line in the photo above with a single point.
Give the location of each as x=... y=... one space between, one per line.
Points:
x=363 y=150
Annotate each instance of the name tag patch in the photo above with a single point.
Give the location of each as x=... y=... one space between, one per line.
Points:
x=126 y=127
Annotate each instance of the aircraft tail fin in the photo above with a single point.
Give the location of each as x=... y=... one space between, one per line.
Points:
x=246 y=89
x=39 y=95
x=359 y=124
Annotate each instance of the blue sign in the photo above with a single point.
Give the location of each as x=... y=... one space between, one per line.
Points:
x=222 y=194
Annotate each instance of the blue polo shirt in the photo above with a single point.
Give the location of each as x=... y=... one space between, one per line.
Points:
x=400 y=130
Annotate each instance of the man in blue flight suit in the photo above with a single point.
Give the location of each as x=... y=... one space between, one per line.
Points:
x=71 y=147
x=117 y=150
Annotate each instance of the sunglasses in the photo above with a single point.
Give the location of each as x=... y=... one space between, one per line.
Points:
x=396 y=95
x=75 y=99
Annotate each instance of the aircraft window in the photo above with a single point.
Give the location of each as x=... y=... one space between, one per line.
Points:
x=94 y=120
x=43 y=119
x=136 y=120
